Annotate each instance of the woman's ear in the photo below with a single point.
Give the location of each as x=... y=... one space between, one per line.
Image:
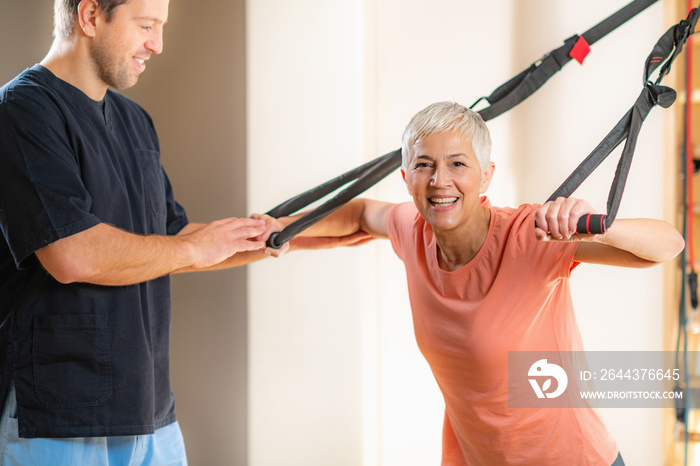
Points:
x=408 y=185
x=486 y=177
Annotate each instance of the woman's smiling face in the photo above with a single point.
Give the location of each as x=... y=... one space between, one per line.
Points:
x=445 y=180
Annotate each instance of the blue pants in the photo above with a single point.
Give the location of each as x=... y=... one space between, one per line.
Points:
x=618 y=461
x=164 y=447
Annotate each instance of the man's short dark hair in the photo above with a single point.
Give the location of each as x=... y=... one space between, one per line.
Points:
x=65 y=11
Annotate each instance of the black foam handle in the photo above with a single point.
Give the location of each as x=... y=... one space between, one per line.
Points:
x=272 y=243
x=693 y=285
x=591 y=224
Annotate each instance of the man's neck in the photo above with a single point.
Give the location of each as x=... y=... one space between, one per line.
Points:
x=69 y=60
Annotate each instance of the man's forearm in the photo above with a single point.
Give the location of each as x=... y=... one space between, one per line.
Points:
x=105 y=255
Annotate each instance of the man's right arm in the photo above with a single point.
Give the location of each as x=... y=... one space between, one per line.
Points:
x=105 y=255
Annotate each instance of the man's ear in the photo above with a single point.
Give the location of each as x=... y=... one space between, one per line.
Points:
x=408 y=186
x=88 y=11
x=486 y=177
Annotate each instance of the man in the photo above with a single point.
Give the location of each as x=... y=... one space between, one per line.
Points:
x=91 y=231
x=487 y=280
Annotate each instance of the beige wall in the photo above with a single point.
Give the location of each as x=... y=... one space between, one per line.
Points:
x=195 y=93
x=25 y=35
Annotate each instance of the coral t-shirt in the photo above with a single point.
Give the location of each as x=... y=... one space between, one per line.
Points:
x=513 y=296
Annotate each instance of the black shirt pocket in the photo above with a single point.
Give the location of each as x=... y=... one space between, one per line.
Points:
x=152 y=171
x=71 y=360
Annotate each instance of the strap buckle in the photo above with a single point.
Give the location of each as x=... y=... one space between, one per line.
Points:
x=662 y=96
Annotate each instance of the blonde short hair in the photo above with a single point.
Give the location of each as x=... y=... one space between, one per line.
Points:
x=443 y=117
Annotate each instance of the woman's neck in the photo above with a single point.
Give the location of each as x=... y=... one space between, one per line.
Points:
x=456 y=248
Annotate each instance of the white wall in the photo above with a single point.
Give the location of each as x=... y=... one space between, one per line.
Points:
x=305 y=100
x=425 y=52
x=335 y=376
x=618 y=309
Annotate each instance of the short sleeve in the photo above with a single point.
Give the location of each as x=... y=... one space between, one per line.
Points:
x=552 y=260
x=399 y=226
x=42 y=197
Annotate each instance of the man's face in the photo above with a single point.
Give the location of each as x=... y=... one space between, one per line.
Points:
x=445 y=180
x=122 y=46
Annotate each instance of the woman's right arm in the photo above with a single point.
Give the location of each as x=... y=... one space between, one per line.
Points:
x=357 y=215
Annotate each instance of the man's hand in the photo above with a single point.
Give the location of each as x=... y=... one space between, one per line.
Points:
x=272 y=225
x=215 y=242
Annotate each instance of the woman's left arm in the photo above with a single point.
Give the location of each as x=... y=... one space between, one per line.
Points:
x=632 y=243
x=627 y=243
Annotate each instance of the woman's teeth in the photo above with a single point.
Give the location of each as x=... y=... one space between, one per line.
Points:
x=442 y=201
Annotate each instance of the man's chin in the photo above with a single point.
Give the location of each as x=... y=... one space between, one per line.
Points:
x=125 y=86
x=124 y=82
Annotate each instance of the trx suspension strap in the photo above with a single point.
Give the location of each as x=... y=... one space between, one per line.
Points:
x=666 y=49
x=577 y=47
x=501 y=100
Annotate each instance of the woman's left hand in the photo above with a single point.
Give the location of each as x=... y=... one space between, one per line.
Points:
x=556 y=220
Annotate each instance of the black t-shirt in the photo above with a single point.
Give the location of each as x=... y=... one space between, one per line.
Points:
x=85 y=360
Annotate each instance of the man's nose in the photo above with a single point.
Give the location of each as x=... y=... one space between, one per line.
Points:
x=155 y=43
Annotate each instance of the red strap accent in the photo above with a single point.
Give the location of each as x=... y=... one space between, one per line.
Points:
x=588 y=224
x=580 y=50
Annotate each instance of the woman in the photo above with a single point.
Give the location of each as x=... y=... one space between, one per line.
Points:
x=485 y=280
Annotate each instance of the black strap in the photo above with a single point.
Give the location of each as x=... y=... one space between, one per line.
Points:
x=378 y=169
x=501 y=100
x=302 y=200
x=627 y=128
x=609 y=24
x=526 y=83
x=664 y=53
